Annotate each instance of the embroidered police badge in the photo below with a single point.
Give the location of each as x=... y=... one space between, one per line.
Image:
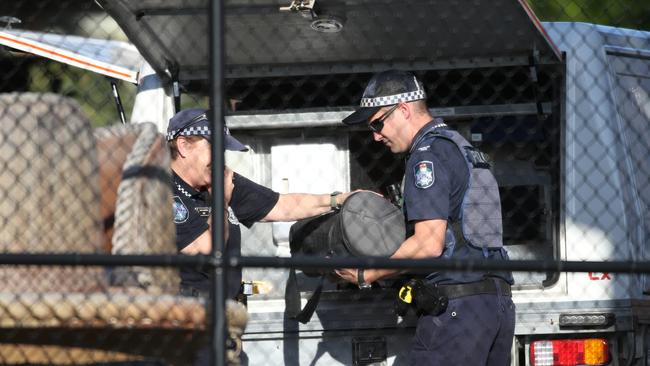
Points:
x=180 y=211
x=424 y=176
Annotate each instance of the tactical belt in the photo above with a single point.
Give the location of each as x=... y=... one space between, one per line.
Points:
x=190 y=291
x=491 y=285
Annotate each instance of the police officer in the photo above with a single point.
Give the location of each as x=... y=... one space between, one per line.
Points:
x=247 y=202
x=451 y=200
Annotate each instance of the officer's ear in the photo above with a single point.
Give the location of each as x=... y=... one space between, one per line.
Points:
x=183 y=146
x=406 y=109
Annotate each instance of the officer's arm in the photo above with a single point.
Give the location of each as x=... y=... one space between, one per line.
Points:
x=200 y=245
x=296 y=206
x=203 y=244
x=428 y=241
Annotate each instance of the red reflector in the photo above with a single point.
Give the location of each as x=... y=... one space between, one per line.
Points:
x=569 y=352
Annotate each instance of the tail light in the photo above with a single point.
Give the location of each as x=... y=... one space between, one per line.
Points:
x=569 y=352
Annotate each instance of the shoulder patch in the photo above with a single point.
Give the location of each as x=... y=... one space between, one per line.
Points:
x=424 y=148
x=180 y=211
x=423 y=173
x=232 y=218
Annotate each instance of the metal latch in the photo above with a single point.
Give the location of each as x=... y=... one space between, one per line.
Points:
x=368 y=350
x=534 y=77
x=304 y=7
x=324 y=23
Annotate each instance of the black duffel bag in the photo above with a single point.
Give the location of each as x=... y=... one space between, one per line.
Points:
x=366 y=225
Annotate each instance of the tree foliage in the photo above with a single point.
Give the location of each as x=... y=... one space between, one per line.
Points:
x=92 y=91
x=633 y=14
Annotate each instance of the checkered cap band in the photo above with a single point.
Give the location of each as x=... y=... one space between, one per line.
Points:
x=393 y=99
x=190 y=131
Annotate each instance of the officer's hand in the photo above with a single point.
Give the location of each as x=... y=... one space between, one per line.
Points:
x=347 y=274
x=333 y=277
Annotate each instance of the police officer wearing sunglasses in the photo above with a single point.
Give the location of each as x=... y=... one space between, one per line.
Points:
x=451 y=200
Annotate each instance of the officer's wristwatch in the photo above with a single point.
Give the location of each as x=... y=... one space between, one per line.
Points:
x=361 y=280
x=333 y=204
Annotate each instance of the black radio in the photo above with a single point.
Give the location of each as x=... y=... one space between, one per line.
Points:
x=424 y=299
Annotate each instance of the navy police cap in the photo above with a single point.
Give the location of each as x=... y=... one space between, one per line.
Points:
x=386 y=88
x=195 y=122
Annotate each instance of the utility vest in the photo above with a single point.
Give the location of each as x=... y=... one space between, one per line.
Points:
x=479 y=224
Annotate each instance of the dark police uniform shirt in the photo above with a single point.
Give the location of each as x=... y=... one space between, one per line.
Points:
x=250 y=202
x=435 y=180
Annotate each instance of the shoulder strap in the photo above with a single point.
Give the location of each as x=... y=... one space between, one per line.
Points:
x=292 y=299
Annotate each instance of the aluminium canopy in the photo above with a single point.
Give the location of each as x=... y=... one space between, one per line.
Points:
x=354 y=36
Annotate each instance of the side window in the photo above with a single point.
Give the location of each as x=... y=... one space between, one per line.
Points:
x=632 y=97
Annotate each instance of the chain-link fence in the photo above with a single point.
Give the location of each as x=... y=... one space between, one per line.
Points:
x=543 y=156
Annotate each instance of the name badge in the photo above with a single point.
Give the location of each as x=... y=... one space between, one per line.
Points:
x=203 y=211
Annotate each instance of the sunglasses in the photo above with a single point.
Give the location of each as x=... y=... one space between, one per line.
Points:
x=377 y=124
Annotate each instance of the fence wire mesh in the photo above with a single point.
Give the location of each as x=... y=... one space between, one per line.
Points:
x=555 y=93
